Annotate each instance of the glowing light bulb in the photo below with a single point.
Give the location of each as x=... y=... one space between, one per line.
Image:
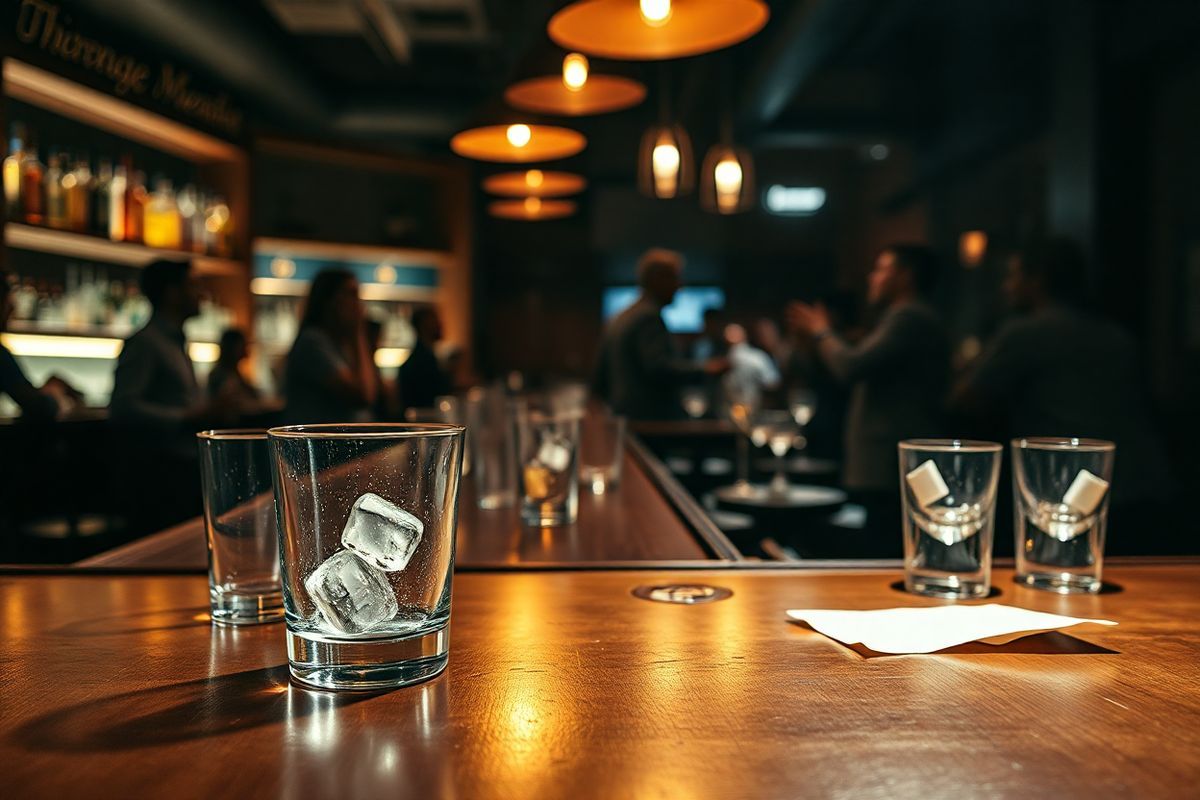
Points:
x=518 y=135
x=534 y=178
x=575 y=71
x=655 y=12
x=533 y=206
x=664 y=161
x=727 y=178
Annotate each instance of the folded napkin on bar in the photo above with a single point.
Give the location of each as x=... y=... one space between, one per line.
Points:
x=925 y=630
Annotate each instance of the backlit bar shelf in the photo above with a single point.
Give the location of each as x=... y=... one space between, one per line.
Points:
x=94 y=248
x=107 y=348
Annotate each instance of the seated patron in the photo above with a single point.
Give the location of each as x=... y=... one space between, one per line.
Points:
x=421 y=378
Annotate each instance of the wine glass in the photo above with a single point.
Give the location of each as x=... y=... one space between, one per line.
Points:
x=778 y=431
x=802 y=403
x=742 y=402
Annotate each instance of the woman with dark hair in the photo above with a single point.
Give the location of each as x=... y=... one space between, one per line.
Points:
x=43 y=403
x=330 y=375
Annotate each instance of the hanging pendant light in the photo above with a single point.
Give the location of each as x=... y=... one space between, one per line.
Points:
x=650 y=30
x=518 y=143
x=532 y=209
x=577 y=92
x=727 y=180
x=665 y=163
x=534 y=183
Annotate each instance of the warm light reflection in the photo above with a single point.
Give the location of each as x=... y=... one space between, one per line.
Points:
x=385 y=273
x=727 y=178
x=972 y=248
x=665 y=162
x=534 y=178
x=533 y=205
x=283 y=267
x=391 y=357
x=518 y=135
x=655 y=12
x=575 y=71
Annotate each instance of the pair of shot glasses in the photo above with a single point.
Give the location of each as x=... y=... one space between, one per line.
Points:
x=347 y=533
x=1060 y=499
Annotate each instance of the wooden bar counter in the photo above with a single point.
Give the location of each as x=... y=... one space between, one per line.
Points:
x=562 y=684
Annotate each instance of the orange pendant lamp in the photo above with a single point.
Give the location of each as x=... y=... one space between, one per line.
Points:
x=576 y=93
x=518 y=143
x=534 y=183
x=532 y=209
x=727 y=180
x=652 y=30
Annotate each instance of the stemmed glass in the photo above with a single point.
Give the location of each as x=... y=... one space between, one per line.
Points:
x=777 y=429
x=695 y=401
x=802 y=404
x=743 y=403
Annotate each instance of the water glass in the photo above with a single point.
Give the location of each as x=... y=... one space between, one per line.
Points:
x=948 y=487
x=1060 y=495
x=239 y=526
x=548 y=456
x=492 y=446
x=368 y=515
x=602 y=451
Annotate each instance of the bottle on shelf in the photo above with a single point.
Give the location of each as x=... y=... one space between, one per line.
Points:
x=77 y=186
x=101 y=201
x=56 y=198
x=217 y=228
x=12 y=172
x=116 y=203
x=33 y=196
x=161 y=228
x=188 y=202
x=135 y=207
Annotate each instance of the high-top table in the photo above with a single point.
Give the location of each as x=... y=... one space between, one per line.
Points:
x=562 y=684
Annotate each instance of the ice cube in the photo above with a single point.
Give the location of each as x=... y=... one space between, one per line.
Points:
x=927 y=484
x=554 y=452
x=1086 y=492
x=353 y=596
x=538 y=481
x=383 y=534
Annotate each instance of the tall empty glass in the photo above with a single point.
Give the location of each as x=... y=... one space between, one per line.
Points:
x=601 y=451
x=548 y=456
x=1060 y=495
x=949 y=496
x=239 y=525
x=492 y=446
x=368 y=515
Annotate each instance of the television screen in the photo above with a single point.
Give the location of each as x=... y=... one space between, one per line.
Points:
x=684 y=315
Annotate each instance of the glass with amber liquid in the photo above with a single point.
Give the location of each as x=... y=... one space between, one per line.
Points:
x=161 y=225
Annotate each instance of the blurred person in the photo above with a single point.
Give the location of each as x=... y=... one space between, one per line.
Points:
x=422 y=378
x=711 y=341
x=226 y=379
x=155 y=391
x=638 y=371
x=45 y=402
x=387 y=408
x=330 y=373
x=752 y=370
x=897 y=374
x=1059 y=370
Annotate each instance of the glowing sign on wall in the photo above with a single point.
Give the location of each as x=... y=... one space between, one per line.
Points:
x=793 y=200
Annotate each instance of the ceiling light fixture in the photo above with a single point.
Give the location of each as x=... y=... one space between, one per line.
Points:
x=534 y=183
x=518 y=135
x=519 y=143
x=727 y=180
x=665 y=163
x=655 y=12
x=575 y=71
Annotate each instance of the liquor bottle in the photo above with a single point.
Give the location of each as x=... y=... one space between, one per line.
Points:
x=188 y=203
x=161 y=227
x=77 y=185
x=12 y=172
x=101 y=200
x=217 y=228
x=33 y=196
x=56 y=198
x=135 y=207
x=116 y=204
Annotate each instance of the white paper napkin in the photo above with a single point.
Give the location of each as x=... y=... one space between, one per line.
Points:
x=925 y=630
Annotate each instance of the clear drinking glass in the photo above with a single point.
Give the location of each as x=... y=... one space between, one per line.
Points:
x=949 y=496
x=239 y=524
x=777 y=430
x=368 y=515
x=695 y=401
x=602 y=451
x=802 y=403
x=548 y=456
x=1060 y=496
x=493 y=447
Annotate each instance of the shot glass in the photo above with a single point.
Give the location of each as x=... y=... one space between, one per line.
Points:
x=367 y=515
x=1060 y=496
x=948 y=488
x=491 y=443
x=548 y=457
x=601 y=451
x=239 y=526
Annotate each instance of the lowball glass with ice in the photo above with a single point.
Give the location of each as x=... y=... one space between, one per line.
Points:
x=548 y=457
x=949 y=495
x=1061 y=494
x=367 y=520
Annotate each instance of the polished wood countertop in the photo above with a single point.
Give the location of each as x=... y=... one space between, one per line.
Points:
x=648 y=517
x=563 y=684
